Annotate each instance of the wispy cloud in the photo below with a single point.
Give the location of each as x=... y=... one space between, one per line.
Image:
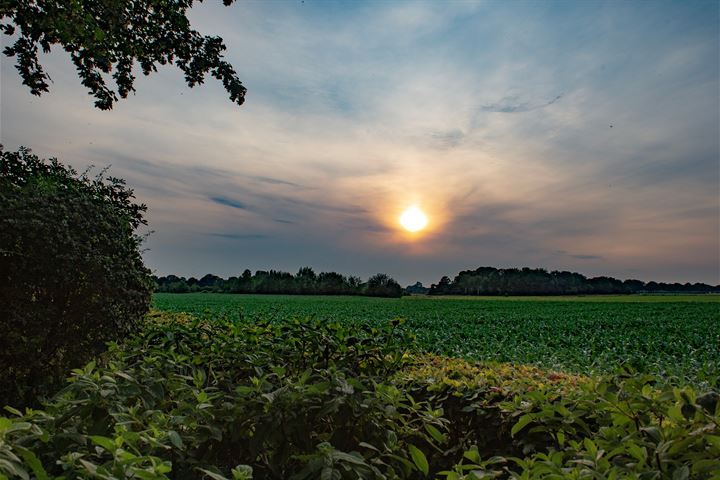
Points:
x=588 y=128
x=275 y=181
x=229 y=202
x=513 y=104
x=587 y=257
x=239 y=236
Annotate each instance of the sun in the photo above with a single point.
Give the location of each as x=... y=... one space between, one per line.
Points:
x=413 y=219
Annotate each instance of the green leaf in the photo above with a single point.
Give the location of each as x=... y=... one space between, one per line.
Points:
x=346 y=457
x=473 y=455
x=418 y=458
x=368 y=446
x=435 y=433
x=682 y=473
x=5 y=424
x=14 y=411
x=144 y=475
x=90 y=467
x=714 y=440
x=14 y=469
x=104 y=442
x=522 y=423
x=327 y=473
x=213 y=475
x=34 y=463
x=590 y=446
x=242 y=472
x=675 y=413
x=175 y=439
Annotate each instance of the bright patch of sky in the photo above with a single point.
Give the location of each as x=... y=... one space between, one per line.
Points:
x=566 y=135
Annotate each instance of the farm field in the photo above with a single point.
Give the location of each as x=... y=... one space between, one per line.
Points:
x=676 y=338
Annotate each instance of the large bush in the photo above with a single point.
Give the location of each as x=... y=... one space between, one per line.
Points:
x=71 y=274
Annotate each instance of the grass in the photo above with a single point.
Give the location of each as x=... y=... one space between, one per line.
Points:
x=674 y=337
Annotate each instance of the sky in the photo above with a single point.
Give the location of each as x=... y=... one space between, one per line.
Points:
x=566 y=135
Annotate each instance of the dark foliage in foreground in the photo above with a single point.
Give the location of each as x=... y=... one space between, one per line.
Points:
x=538 y=281
x=71 y=275
x=305 y=282
x=304 y=399
x=107 y=38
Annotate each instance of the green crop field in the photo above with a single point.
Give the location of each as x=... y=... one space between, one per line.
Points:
x=673 y=337
x=288 y=387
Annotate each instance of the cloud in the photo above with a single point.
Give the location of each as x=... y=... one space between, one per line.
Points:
x=275 y=181
x=448 y=139
x=587 y=257
x=229 y=202
x=495 y=120
x=512 y=104
x=240 y=236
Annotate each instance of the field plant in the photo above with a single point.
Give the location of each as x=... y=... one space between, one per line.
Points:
x=202 y=397
x=675 y=338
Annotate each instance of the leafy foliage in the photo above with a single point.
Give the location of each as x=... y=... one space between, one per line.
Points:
x=673 y=337
x=305 y=282
x=71 y=275
x=305 y=399
x=538 y=281
x=381 y=285
x=108 y=37
x=300 y=398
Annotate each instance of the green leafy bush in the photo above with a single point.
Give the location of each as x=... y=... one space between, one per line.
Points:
x=304 y=399
x=71 y=275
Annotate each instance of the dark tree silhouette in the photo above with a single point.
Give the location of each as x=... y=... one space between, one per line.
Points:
x=108 y=37
x=306 y=282
x=538 y=281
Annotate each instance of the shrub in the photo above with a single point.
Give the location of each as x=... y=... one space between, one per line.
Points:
x=191 y=398
x=71 y=274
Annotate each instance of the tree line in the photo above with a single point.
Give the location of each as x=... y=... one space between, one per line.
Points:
x=305 y=282
x=538 y=281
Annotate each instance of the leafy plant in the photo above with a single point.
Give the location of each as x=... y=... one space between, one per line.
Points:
x=103 y=37
x=71 y=274
x=216 y=398
x=672 y=337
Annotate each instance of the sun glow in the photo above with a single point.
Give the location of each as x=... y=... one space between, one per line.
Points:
x=413 y=219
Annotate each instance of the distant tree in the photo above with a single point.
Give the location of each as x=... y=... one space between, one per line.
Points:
x=633 y=285
x=538 y=281
x=332 y=283
x=305 y=280
x=306 y=273
x=381 y=285
x=180 y=286
x=416 y=289
x=71 y=274
x=107 y=37
x=210 y=282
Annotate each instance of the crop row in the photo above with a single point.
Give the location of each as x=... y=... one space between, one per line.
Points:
x=674 y=339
